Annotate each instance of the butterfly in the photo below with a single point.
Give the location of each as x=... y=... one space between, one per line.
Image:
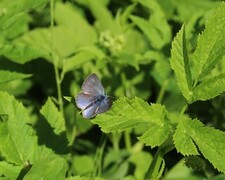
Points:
x=92 y=100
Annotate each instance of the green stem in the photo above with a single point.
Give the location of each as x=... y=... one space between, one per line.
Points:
x=183 y=109
x=115 y=141
x=98 y=158
x=55 y=60
x=127 y=140
x=154 y=168
x=52 y=14
x=59 y=90
x=162 y=91
x=101 y=157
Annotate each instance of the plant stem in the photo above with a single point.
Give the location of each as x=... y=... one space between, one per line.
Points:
x=55 y=61
x=156 y=163
x=127 y=140
x=101 y=150
x=115 y=141
x=59 y=91
x=162 y=91
x=183 y=109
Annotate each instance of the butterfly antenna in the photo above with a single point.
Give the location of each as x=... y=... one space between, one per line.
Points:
x=112 y=97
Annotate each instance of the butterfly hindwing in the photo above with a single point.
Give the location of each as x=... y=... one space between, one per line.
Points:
x=104 y=106
x=90 y=112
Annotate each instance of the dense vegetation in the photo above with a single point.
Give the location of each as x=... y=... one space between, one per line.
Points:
x=163 y=64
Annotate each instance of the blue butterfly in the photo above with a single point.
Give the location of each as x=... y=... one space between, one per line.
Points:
x=92 y=100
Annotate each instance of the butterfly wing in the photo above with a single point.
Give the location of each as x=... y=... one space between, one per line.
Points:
x=104 y=105
x=83 y=100
x=92 y=85
x=92 y=100
x=91 y=111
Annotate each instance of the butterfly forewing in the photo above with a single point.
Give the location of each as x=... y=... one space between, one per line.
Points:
x=92 y=85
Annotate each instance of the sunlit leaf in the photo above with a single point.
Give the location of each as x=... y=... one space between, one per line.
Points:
x=53 y=116
x=191 y=135
x=129 y=113
x=181 y=65
x=210 y=48
x=6 y=76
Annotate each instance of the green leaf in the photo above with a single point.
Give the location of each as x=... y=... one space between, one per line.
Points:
x=150 y=32
x=180 y=171
x=53 y=116
x=77 y=60
x=181 y=65
x=9 y=171
x=12 y=10
x=83 y=178
x=48 y=168
x=22 y=53
x=102 y=15
x=194 y=7
x=141 y=161
x=210 y=48
x=18 y=141
x=64 y=40
x=83 y=164
x=114 y=160
x=209 y=88
x=156 y=28
x=68 y=98
x=182 y=139
x=192 y=134
x=129 y=113
x=6 y=76
x=84 y=31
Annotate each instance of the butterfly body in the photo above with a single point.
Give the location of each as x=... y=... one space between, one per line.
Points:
x=92 y=100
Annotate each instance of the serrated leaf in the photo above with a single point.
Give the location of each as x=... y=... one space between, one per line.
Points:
x=6 y=76
x=17 y=139
x=182 y=139
x=191 y=133
x=9 y=171
x=48 y=168
x=210 y=48
x=209 y=88
x=53 y=116
x=129 y=113
x=180 y=64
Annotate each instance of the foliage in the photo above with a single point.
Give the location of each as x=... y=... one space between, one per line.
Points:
x=162 y=60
